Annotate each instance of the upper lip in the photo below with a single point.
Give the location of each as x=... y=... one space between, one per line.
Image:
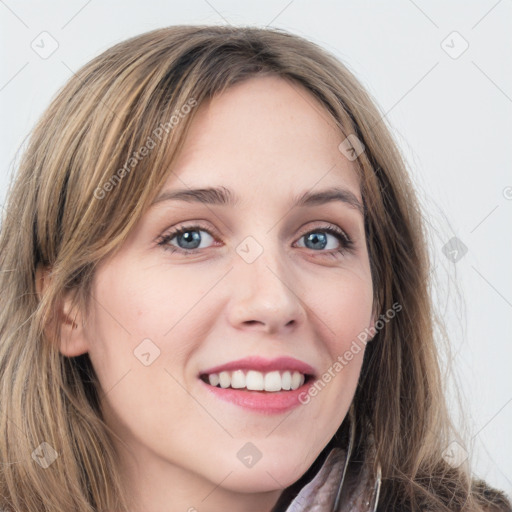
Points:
x=263 y=365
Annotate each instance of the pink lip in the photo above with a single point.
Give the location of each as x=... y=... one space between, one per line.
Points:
x=266 y=402
x=263 y=365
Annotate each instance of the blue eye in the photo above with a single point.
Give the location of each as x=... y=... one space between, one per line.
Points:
x=318 y=239
x=188 y=240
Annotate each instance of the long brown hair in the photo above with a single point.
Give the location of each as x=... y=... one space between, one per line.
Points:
x=81 y=188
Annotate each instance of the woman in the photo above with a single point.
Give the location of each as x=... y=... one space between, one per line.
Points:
x=216 y=293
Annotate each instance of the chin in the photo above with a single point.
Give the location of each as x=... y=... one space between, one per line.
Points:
x=259 y=482
x=273 y=473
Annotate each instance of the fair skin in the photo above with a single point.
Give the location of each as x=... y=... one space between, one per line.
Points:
x=269 y=142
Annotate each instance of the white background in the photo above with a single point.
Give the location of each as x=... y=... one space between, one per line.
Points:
x=451 y=117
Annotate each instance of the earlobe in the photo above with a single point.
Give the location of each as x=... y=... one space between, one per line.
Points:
x=73 y=341
x=68 y=320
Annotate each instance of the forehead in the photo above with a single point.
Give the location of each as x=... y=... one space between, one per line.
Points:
x=262 y=136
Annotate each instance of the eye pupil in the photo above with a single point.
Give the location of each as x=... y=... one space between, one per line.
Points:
x=314 y=238
x=191 y=237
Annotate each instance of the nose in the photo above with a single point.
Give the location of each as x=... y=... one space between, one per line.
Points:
x=265 y=296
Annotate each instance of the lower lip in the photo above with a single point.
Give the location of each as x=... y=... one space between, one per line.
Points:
x=267 y=402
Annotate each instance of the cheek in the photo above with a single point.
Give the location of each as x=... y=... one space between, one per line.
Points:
x=137 y=302
x=142 y=366
x=145 y=322
x=342 y=309
x=345 y=307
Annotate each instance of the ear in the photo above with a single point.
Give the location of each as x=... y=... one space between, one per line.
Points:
x=68 y=320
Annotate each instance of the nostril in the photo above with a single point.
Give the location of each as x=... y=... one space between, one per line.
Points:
x=252 y=322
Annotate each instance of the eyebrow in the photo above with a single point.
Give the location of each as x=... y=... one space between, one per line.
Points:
x=223 y=196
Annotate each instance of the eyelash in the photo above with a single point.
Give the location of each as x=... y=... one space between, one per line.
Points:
x=346 y=244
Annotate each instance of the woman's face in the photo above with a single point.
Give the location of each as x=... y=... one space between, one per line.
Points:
x=261 y=278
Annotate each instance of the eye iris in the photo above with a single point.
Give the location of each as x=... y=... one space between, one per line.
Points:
x=314 y=237
x=191 y=237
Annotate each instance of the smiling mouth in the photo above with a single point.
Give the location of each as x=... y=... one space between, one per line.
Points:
x=252 y=380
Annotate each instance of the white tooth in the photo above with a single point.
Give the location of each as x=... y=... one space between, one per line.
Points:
x=214 y=379
x=273 y=381
x=225 y=379
x=238 y=379
x=254 y=381
x=286 y=380
x=296 y=380
x=258 y=381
